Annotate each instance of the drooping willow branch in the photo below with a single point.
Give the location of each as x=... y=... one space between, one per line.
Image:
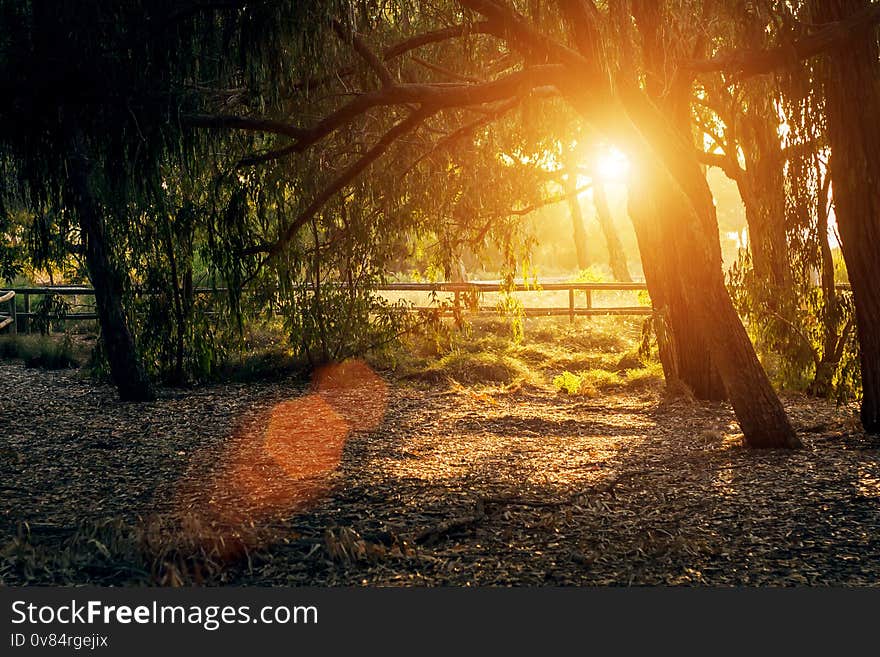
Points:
x=434 y=95
x=345 y=178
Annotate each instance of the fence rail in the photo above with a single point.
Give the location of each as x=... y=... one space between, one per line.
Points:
x=9 y=319
x=22 y=320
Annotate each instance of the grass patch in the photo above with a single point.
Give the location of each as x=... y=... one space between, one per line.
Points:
x=265 y=365
x=43 y=351
x=591 y=382
x=482 y=367
x=598 y=354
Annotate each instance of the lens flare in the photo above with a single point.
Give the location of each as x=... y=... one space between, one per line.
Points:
x=282 y=462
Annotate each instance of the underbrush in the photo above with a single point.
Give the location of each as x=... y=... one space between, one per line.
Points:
x=601 y=353
x=264 y=354
x=479 y=367
x=43 y=351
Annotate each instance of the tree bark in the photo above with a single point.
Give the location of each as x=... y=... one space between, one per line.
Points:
x=762 y=184
x=684 y=352
x=701 y=303
x=666 y=162
x=832 y=342
x=126 y=370
x=616 y=254
x=763 y=196
x=851 y=78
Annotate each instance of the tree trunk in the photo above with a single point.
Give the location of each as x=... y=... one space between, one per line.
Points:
x=616 y=254
x=762 y=184
x=674 y=179
x=832 y=341
x=665 y=165
x=126 y=370
x=579 y=233
x=702 y=304
x=851 y=79
x=763 y=197
x=684 y=352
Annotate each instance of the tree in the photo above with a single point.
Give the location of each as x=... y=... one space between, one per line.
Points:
x=668 y=168
x=616 y=254
x=490 y=57
x=851 y=81
x=847 y=39
x=90 y=104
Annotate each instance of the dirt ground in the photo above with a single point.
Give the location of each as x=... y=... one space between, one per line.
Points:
x=453 y=487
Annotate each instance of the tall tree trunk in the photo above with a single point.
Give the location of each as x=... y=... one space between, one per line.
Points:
x=684 y=352
x=852 y=90
x=665 y=160
x=832 y=341
x=616 y=254
x=126 y=370
x=579 y=233
x=763 y=196
x=673 y=176
x=762 y=184
x=700 y=299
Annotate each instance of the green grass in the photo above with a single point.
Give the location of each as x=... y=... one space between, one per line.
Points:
x=481 y=367
x=46 y=352
x=592 y=382
x=581 y=358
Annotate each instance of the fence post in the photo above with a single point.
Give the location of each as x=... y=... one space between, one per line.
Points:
x=13 y=328
x=26 y=325
x=571 y=305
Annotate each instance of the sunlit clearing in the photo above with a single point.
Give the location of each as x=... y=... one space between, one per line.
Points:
x=612 y=166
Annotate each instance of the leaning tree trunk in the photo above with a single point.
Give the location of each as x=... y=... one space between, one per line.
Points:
x=673 y=176
x=691 y=242
x=684 y=352
x=616 y=254
x=126 y=370
x=664 y=158
x=852 y=91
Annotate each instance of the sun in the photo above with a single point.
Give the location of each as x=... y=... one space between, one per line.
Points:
x=612 y=165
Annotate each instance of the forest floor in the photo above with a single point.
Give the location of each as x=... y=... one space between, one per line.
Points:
x=437 y=484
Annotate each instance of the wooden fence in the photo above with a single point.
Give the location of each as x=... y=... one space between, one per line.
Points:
x=572 y=310
x=10 y=318
x=459 y=303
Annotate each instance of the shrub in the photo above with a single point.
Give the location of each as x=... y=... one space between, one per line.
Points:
x=568 y=382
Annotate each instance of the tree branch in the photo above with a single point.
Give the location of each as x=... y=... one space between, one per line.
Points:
x=722 y=161
x=403 y=47
x=436 y=36
x=430 y=96
x=747 y=62
x=362 y=49
x=345 y=178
